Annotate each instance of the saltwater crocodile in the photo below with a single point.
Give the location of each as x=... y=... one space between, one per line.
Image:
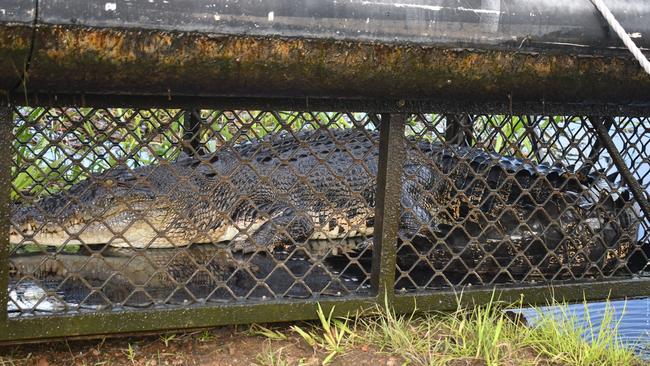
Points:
x=287 y=189
x=205 y=271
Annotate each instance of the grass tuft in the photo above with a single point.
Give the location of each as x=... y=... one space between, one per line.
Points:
x=270 y=334
x=272 y=357
x=486 y=335
x=560 y=336
x=333 y=336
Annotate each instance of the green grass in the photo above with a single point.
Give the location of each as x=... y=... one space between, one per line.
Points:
x=55 y=148
x=332 y=336
x=470 y=335
x=561 y=338
x=130 y=353
x=478 y=335
x=272 y=357
x=486 y=333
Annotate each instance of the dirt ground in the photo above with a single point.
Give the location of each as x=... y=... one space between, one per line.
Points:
x=223 y=346
x=216 y=347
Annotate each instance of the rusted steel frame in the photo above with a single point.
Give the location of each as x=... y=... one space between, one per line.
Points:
x=74 y=59
x=191 y=129
x=6 y=135
x=534 y=295
x=328 y=104
x=103 y=323
x=592 y=159
x=606 y=141
x=388 y=207
x=15 y=59
x=458 y=129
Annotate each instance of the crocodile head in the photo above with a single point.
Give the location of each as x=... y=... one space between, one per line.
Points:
x=120 y=208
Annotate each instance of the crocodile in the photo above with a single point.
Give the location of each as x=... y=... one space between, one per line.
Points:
x=286 y=189
x=209 y=272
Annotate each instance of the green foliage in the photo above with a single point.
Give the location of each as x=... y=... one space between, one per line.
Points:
x=206 y=336
x=271 y=357
x=485 y=334
x=55 y=148
x=561 y=337
x=332 y=337
x=167 y=339
x=270 y=334
x=409 y=336
x=130 y=353
x=482 y=332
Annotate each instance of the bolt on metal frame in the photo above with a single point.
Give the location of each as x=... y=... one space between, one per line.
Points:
x=382 y=277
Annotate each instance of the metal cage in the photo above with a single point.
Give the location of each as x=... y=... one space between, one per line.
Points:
x=275 y=211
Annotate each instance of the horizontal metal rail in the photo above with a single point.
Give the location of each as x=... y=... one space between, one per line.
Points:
x=279 y=311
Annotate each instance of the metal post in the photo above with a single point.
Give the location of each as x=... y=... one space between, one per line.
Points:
x=597 y=148
x=628 y=177
x=458 y=130
x=191 y=127
x=5 y=204
x=387 y=214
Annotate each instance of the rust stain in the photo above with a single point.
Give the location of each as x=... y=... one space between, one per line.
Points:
x=117 y=60
x=14 y=52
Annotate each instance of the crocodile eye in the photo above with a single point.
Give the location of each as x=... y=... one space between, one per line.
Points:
x=109 y=183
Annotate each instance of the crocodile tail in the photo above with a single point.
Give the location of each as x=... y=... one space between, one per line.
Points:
x=553 y=222
x=588 y=227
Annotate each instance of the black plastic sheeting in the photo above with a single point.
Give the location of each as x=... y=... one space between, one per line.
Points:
x=508 y=23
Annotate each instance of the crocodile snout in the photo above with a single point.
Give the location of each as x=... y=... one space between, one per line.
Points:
x=31 y=225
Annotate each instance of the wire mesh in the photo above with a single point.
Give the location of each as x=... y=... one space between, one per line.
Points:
x=516 y=200
x=120 y=208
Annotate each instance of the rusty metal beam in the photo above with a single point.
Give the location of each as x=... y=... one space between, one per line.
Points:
x=80 y=60
x=6 y=125
x=388 y=211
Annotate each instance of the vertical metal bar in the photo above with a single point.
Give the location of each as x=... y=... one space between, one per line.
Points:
x=597 y=148
x=628 y=177
x=387 y=214
x=191 y=127
x=5 y=204
x=457 y=130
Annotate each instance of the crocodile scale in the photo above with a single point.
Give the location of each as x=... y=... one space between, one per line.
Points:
x=287 y=189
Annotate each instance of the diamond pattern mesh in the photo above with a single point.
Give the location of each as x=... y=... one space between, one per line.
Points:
x=518 y=200
x=119 y=209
